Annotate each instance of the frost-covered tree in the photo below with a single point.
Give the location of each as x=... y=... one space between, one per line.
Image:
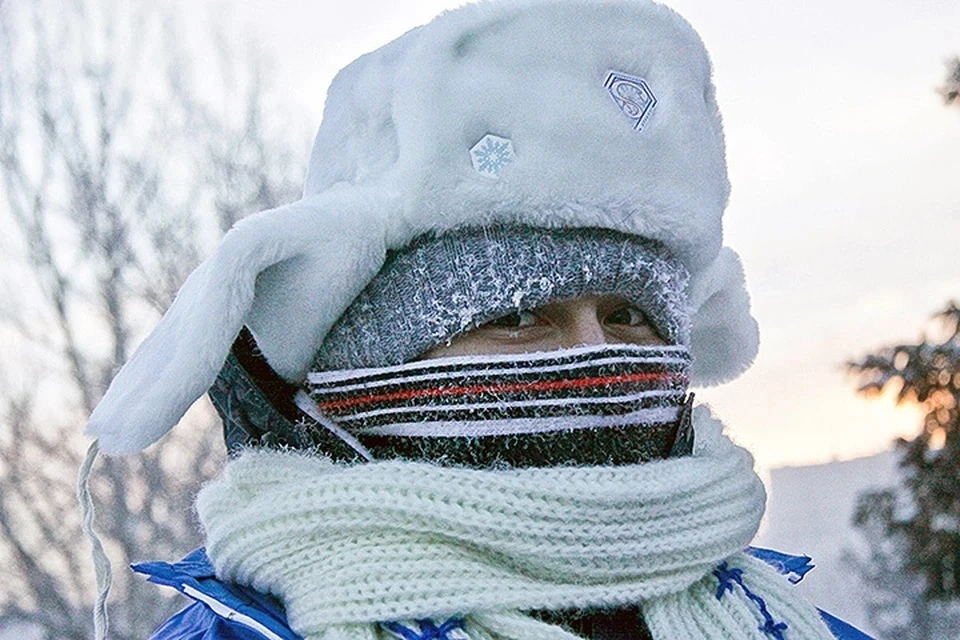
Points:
x=118 y=170
x=913 y=530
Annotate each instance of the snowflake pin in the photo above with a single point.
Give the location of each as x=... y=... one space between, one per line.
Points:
x=632 y=95
x=491 y=154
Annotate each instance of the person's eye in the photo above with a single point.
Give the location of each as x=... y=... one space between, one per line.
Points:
x=515 y=320
x=627 y=315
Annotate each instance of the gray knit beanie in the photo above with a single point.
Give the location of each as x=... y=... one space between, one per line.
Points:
x=442 y=285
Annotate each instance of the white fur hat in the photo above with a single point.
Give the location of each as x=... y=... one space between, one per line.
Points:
x=553 y=113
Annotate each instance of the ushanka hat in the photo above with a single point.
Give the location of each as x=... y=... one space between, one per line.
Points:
x=554 y=114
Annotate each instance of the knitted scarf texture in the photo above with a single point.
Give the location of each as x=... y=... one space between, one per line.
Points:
x=349 y=549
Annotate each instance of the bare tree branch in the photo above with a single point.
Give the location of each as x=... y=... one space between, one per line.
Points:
x=113 y=190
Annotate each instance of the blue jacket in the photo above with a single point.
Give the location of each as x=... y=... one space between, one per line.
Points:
x=225 y=611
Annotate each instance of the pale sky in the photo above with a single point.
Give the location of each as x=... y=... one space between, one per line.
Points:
x=844 y=164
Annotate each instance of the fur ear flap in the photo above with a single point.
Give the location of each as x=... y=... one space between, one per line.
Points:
x=180 y=359
x=724 y=336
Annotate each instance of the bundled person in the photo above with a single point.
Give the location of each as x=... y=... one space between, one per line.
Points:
x=454 y=377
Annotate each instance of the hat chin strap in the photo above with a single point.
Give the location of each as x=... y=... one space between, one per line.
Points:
x=306 y=404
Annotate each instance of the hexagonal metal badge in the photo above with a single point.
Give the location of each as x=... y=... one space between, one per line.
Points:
x=491 y=154
x=632 y=95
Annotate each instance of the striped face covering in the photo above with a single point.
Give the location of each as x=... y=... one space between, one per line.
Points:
x=598 y=405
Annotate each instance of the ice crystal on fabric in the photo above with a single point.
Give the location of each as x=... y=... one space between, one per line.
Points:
x=441 y=286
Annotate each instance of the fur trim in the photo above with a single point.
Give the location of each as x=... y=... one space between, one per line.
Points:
x=724 y=336
x=180 y=359
x=392 y=161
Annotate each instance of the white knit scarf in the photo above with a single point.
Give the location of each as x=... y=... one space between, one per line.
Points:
x=347 y=546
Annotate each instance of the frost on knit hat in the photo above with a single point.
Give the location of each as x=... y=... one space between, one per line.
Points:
x=441 y=286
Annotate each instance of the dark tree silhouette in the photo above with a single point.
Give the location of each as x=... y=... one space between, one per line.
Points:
x=914 y=529
x=951 y=85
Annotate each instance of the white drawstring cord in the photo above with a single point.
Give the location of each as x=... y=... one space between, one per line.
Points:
x=101 y=562
x=309 y=407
